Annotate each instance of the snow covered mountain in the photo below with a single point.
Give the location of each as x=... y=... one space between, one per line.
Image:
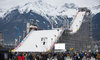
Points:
x=50 y=7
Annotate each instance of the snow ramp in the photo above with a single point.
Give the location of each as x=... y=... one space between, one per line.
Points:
x=77 y=22
x=39 y=41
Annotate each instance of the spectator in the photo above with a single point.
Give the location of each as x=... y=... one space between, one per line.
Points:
x=30 y=56
x=20 y=57
x=23 y=58
x=6 y=56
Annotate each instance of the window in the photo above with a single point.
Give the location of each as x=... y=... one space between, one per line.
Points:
x=55 y=35
x=57 y=29
x=51 y=38
x=36 y=46
x=43 y=43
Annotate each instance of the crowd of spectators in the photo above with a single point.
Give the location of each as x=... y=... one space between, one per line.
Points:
x=49 y=55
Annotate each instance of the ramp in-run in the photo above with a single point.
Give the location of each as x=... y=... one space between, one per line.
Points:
x=77 y=21
x=39 y=41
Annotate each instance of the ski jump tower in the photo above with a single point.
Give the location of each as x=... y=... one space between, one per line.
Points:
x=79 y=34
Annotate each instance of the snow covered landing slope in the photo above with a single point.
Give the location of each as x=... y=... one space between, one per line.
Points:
x=39 y=41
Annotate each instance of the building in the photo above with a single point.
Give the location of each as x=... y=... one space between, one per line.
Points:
x=1 y=39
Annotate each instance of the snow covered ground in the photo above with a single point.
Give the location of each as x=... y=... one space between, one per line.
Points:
x=49 y=7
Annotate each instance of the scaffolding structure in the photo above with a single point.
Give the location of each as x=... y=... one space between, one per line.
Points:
x=82 y=40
